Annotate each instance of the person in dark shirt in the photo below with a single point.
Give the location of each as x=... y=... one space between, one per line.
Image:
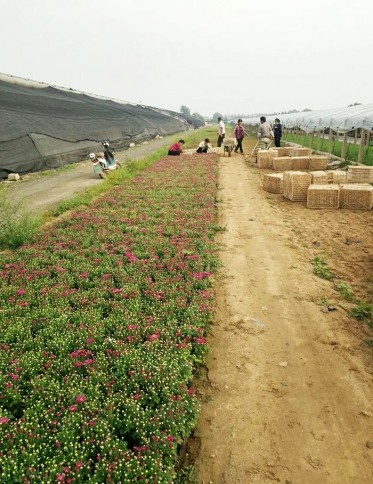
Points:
x=277 y=131
x=239 y=134
x=176 y=148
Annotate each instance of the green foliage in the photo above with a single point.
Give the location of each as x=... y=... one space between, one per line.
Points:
x=362 y=311
x=352 y=149
x=321 y=269
x=185 y=110
x=346 y=292
x=17 y=226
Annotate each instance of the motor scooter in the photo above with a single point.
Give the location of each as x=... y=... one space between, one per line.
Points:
x=111 y=162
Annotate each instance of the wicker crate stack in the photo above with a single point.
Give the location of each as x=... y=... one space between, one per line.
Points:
x=300 y=163
x=265 y=158
x=337 y=176
x=320 y=177
x=296 y=184
x=323 y=196
x=273 y=182
x=318 y=162
x=282 y=163
x=280 y=150
x=356 y=197
x=360 y=174
x=301 y=152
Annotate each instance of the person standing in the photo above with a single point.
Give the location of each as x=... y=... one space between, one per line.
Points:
x=176 y=148
x=265 y=134
x=221 y=131
x=277 y=131
x=239 y=134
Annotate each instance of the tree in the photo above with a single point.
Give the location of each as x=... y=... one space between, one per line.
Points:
x=185 y=110
x=216 y=115
x=199 y=116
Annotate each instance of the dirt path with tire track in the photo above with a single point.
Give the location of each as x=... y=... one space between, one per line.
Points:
x=289 y=394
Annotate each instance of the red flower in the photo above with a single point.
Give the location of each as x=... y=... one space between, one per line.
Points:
x=73 y=408
x=81 y=399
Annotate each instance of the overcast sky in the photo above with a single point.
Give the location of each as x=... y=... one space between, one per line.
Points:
x=211 y=55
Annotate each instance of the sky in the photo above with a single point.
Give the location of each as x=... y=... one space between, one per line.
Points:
x=228 y=56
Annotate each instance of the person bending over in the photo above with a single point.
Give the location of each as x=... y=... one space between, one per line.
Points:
x=176 y=148
x=204 y=146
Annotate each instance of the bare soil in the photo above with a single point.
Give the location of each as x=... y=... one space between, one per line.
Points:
x=288 y=393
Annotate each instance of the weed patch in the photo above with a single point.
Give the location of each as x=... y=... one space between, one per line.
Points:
x=321 y=269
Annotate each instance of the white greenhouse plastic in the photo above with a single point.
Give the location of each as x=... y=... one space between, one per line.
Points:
x=344 y=119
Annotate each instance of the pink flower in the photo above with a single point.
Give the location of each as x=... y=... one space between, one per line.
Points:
x=21 y=292
x=79 y=465
x=152 y=337
x=170 y=438
x=60 y=477
x=4 y=420
x=91 y=423
x=73 y=408
x=90 y=340
x=81 y=398
x=84 y=275
x=137 y=397
x=132 y=326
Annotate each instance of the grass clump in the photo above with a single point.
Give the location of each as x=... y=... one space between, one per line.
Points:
x=17 y=225
x=346 y=292
x=321 y=269
x=362 y=311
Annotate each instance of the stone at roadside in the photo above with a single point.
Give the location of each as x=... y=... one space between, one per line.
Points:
x=369 y=444
x=283 y=364
x=13 y=177
x=132 y=145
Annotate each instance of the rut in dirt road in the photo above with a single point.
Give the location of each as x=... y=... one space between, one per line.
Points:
x=291 y=401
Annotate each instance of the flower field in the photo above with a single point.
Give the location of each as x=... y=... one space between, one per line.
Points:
x=102 y=320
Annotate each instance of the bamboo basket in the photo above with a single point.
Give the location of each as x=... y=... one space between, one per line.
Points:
x=337 y=176
x=300 y=163
x=282 y=163
x=323 y=196
x=296 y=184
x=302 y=152
x=360 y=174
x=280 y=150
x=318 y=162
x=320 y=177
x=264 y=158
x=356 y=197
x=273 y=182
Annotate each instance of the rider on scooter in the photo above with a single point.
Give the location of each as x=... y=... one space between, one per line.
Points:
x=109 y=155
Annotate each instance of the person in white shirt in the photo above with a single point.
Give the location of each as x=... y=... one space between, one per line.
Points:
x=221 y=131
x=204 y=146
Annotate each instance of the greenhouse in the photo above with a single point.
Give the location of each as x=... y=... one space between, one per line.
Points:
x=43 y=126
x=342 y=119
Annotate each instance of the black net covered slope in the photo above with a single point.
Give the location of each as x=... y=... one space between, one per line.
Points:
x=43 y=128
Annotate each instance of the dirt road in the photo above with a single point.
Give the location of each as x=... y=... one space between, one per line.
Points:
x=289 y=395
x=39 y=192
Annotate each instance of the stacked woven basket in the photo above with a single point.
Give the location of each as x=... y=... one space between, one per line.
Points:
x=323 y=189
